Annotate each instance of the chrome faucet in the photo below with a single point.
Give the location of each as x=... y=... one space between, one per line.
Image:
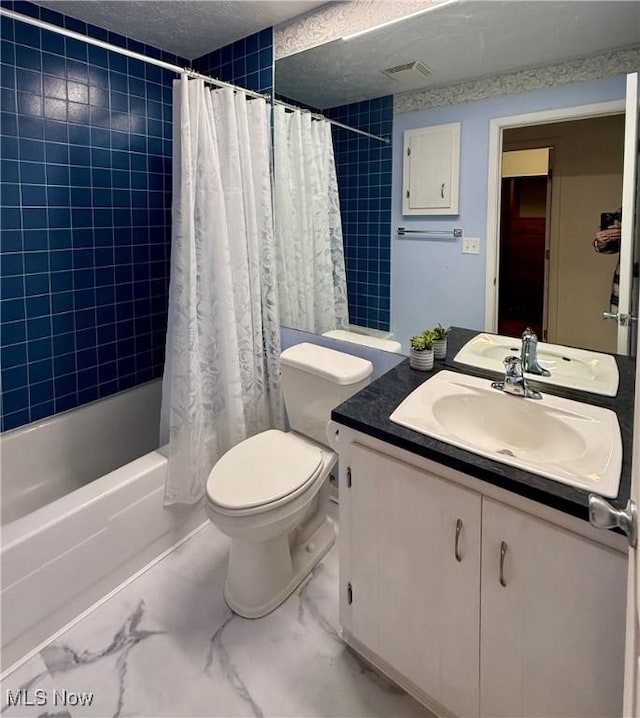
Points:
x=514 y=381
x=528 y=355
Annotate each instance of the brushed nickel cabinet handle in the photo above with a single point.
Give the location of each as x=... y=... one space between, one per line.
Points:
x=457 y=544
x=503 y=553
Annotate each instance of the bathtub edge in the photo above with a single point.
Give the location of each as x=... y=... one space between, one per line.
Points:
x=197 y=515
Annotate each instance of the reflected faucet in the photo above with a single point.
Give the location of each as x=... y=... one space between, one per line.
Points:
x=514 y=381
x=528 y=355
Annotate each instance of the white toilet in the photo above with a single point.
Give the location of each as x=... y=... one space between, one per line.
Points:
x=269 y=493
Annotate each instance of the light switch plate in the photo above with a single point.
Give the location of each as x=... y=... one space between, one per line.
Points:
x=471 y=245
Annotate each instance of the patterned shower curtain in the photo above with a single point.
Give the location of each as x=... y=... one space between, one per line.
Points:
x=221 y=381
x=312 y=285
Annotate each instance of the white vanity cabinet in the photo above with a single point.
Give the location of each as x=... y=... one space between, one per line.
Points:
x=423 y=560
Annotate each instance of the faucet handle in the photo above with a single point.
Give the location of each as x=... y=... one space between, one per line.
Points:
x=529 y=352
x=513 y=367
x=514 y=381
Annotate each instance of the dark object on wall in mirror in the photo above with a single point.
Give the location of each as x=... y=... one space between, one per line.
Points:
x=607 y=219
x=607 y=240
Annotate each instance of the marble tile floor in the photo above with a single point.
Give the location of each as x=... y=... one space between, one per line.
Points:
x=167 y=645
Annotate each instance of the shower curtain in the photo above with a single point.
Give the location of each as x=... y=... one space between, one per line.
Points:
x=312 y=285
x=221 y=378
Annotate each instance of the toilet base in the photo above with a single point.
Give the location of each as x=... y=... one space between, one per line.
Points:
x=261 y=576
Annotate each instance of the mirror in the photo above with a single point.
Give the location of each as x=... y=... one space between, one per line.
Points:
x=460 y=43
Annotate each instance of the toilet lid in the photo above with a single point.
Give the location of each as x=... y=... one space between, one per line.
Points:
x=262 y=469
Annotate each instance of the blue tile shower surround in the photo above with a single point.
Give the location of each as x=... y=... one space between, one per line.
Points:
x=247 y=62
x=363 y=167
x=85 y=205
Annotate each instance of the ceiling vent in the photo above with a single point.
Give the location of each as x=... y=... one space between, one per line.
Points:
x=410 y=72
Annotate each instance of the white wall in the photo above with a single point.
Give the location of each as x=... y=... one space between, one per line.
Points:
x=431 y=280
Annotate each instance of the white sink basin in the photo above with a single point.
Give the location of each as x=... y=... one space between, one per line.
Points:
x=567 y=441
x=573 y=368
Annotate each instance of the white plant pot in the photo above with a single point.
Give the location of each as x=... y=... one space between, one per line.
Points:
x=422 y=360
x=440 y=348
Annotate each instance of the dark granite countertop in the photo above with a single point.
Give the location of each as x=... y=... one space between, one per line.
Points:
x=368 y=411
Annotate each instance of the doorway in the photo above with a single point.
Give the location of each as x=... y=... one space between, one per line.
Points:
x=586 y=181
x=525 y=196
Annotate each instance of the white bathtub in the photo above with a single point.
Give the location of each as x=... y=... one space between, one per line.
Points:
x=81 y=512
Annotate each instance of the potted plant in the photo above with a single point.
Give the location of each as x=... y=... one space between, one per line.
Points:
x=421 y=354
x=440 y=335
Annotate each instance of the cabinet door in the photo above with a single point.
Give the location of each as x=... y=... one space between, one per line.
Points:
x=552 y=637
x=414 y=602
x=431 y=159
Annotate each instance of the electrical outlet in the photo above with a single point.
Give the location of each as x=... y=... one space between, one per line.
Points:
x=471 y=245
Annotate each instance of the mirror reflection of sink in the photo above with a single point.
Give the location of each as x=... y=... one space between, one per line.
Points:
x=570 y=367
x=567 y=441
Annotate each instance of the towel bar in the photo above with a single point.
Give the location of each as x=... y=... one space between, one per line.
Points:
x=452 y=233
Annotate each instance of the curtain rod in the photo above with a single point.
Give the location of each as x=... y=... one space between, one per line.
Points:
x=167 y=66
x=317 y=116
x=129 y=53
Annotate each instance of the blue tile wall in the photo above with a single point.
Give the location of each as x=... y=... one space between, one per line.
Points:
x=247 y=62
x=85 y=204
x=364 y=181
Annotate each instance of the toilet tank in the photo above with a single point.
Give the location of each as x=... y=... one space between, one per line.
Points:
x=314 y=381
x=386 y=345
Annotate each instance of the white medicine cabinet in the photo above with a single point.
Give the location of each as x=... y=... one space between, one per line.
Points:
x=431 y=175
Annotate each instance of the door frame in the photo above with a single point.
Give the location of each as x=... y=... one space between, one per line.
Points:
x=496 y=128
x=631 y=698
x=547 y=250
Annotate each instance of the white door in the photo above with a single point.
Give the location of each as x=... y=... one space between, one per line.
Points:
x=632 y=653
x=626 y=307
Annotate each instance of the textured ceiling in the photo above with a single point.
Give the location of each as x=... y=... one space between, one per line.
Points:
x=337 y=19
x=190 y=28
x=458 y=41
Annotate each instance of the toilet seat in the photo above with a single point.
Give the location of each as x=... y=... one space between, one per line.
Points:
x=263 y=471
